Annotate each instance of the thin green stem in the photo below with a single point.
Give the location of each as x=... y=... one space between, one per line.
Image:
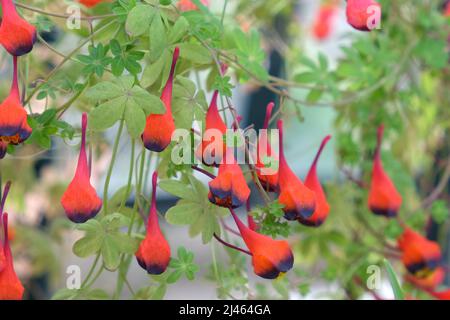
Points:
x=63 y=16
x=111 y=166
x=122 y=273
x=130 y=175
x=99 y=272
x=91 y=270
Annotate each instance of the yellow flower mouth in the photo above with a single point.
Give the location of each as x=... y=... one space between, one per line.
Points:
x=10 y=139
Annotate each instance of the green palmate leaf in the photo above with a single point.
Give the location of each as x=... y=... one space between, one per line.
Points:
x=158 y=37
x=110 y=253
x=107 y=114
x=179 y=30
x=398 y=292
x=135 y=119
x=153 y=71
x=177 y=188
x=186 y=101
x=104 y=237
x=195 y=53
x=139 y=20
x=92 y=241
x=194 y=209
x=104 y=90
x=184 y=264
x=184 y=213
x=148 y=102
x=122 y=100
x=125 y=57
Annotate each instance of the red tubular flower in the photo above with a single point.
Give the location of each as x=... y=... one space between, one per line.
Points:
x=10 y=286
x=266 y=175
x=229 y=189
x=91 y=3
x=188 y=5
x=14 y=127
x=298 y=200
x=323 y=23
x=80 y=201
x=159 y=127
x=210 y=151
x=362 y=13
x=153 y=254
x=16 y=34
x=270 y=258
x=313 y=183
x=419 y=255
x=384 y=198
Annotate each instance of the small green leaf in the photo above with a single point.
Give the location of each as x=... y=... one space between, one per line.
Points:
x=135 y=119
x=183 y=213
x=177 y=188
x=139 y=20
x=158 y=38
x=195 y=53
x=180 y=28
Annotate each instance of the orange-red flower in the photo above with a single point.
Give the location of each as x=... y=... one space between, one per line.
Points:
x=159 y=127
x=298 y=200
x=10 y=286
x=80 y=201
x=91 y=3
x=441 y=295
x=267 y=175
x=14 y=127
x=16 y=34
x=229 y=189
x=212 y=147
x=270 y=258
x=447 y=9
x=420 y=256
x=384 y=198
x=188 y=5
x=154 y=251
x=313 y=183
x=430 y=281
x=361 y=14
x=323 y=24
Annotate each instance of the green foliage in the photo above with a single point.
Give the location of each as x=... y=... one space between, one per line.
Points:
x=182 y=266
x=45 y=126
x=122 y=99
x=104 y=237
x=271 y=221
x=97 y=61
x=439 y=211
x=194 y=208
